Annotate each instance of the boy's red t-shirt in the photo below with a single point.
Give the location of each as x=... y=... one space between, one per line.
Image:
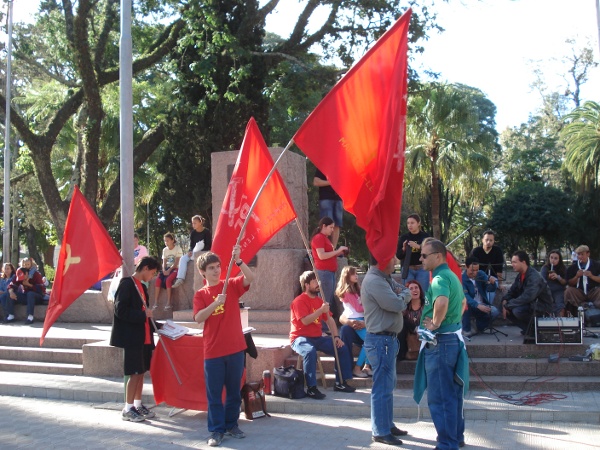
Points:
x=223 y=329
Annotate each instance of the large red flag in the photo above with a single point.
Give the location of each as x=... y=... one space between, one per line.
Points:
x=87 y=254
x=273 y=209
x=357 y=135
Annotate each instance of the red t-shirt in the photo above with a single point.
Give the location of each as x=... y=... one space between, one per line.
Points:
x=223 y=329
x=322 y=241
x=302 y=306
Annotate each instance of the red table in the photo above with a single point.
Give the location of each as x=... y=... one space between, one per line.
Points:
x=187 y=354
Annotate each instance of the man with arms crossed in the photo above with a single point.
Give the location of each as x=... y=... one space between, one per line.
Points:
x=383 y=300
x=442 y=366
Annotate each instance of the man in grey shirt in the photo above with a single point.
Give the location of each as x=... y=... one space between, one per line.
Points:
x=383 y=300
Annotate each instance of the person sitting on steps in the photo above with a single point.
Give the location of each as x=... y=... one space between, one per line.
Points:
x=200 y=239
x=170 y=262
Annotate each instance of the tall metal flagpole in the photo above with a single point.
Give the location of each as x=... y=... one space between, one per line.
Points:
x=6 y=229
x=598 y=21
x=126 y=136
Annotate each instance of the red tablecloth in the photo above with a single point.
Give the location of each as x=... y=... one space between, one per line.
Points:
x=187 y=354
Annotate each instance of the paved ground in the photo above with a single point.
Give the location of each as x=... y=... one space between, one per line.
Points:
x=35 y=423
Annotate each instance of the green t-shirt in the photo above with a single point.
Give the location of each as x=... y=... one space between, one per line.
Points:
x=444 y=283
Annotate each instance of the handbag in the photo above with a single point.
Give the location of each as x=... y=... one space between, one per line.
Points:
x=414 y=345
x=288 y=382
x=255 y=403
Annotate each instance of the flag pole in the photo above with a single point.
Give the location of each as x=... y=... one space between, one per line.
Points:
x=312 y=261
x=249 y=214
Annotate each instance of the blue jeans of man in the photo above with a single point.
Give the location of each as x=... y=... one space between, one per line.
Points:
x=444 y=394
x=381 y=351
x=28 y=298
x=482 y=319
x=421 y=275
x=225 y=371
x=308 y=347
x=333 y=209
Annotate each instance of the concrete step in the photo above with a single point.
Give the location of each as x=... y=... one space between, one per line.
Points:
x=49 y=342
x=53 y=355
x=273 y=328
x=269 y=315
x=479 y=404
x=41 y=367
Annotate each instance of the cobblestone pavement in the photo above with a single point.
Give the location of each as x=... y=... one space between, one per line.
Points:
x=36 y=423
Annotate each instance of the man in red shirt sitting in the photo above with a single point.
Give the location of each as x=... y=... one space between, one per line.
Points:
x=307 y=312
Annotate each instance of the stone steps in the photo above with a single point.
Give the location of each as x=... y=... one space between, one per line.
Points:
x=45 y=354
x=41 y=367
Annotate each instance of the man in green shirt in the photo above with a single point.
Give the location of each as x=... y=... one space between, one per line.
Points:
x=443 y=366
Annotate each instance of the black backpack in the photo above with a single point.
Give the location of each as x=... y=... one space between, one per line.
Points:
x=288 y=382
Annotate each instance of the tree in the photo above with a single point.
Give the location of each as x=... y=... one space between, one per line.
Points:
x=582 y=142
x=530 y=214
x=450 y=143
x=76 y=53
x=228 y=69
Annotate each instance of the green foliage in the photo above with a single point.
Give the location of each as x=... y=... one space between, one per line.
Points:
x=530 y=214
x=451 y=141
x=582 y=141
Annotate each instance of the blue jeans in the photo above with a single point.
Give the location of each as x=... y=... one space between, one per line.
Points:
x=183 y=263
x=28 y=298
x=308 y=347
x=333 y=209
x=521 y=316
x=225 y=371
x=327 y=279
x=421 y=275
x=482 y=319
x=381 y=351
x=444 y=395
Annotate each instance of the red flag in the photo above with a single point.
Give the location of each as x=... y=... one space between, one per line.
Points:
x=87 y=254
x=357 y=135
x=272 y=211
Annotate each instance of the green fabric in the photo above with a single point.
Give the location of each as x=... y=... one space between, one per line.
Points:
x=461 y=373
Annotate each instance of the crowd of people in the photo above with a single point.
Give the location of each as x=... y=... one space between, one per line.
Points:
x=425 y=318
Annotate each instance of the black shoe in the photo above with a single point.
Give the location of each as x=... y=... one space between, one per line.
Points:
x=14 y=319
x=313 y=392
x=397 y=431
x=29 y=322
x=388 y=440
x=461 y=444
x=345 y=387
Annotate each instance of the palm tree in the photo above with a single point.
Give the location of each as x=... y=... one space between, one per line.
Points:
x=450 y=140
x=581 y=135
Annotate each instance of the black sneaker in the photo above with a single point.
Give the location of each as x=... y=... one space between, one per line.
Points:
x=397 y=431
x=345 y=387
x=29 y=322
x=132 y=415
x=313 y=392
x=215 y=439
x=146 y=412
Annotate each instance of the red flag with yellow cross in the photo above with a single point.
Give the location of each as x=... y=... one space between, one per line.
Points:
x=87 y=255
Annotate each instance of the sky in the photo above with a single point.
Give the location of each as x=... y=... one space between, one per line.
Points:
x=493 y=45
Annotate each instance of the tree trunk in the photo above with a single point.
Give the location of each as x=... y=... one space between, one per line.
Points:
x=33 y=250
x=435 y=200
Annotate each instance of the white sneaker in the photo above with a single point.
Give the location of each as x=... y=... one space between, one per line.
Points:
x=178 y=282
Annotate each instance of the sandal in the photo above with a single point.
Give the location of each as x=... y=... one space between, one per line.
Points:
x=154 y=307
x=168 y=307
x=368 y=372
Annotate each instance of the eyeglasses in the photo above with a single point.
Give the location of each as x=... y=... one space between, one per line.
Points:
x=424 y=256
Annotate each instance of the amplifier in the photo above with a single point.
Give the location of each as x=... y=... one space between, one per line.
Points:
x=558 y=330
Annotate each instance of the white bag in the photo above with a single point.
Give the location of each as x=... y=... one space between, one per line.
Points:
x=114 y=284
